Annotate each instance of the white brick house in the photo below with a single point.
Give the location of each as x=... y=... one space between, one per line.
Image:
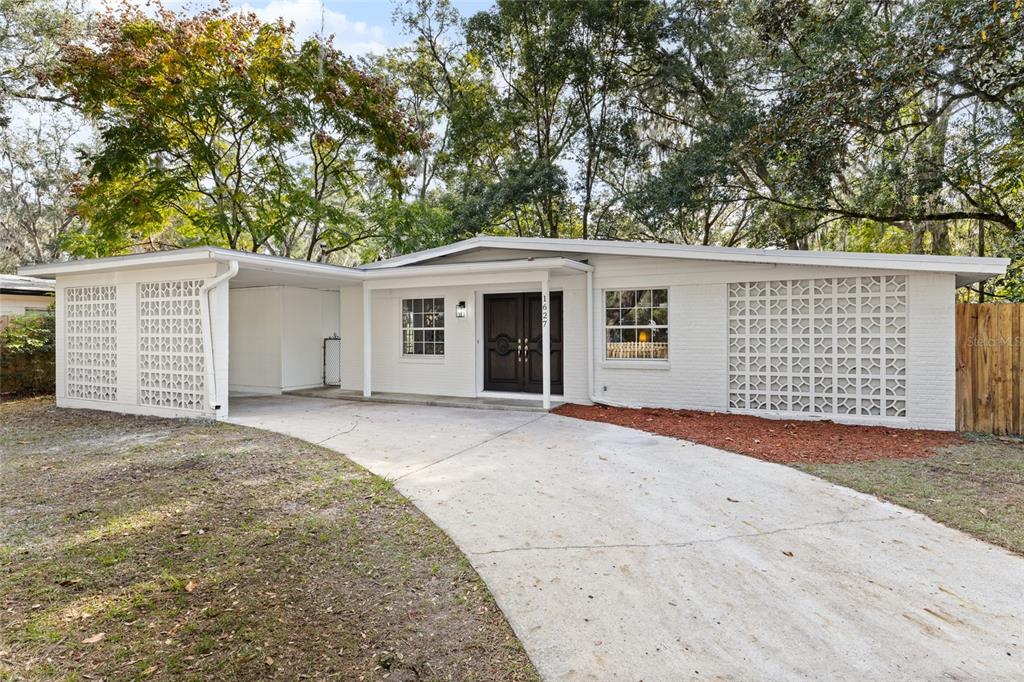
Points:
x=859 y=338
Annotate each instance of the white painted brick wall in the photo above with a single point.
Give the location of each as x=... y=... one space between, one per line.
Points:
x=696 y=372
x=695 y=376
x=931 y=351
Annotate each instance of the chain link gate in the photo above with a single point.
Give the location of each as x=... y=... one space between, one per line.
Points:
x=332 y=360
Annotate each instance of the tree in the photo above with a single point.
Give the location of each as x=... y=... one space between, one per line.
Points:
x=38 y=178
x=528 y=109
x=217 y=129
x=27 y=349
x=31 y=32
x=868 y=125
x=39 y=133
x=443 y=88
x=872 y=104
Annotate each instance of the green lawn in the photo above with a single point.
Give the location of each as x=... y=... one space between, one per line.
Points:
x=977 y=487
x=144 y=548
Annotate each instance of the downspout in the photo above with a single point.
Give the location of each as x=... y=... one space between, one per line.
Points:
x=206 y=321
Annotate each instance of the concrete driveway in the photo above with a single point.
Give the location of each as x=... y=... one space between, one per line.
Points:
x=616 y=554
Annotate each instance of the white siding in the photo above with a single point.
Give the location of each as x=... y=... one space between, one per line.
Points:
x=255 y=340
x=277 y=337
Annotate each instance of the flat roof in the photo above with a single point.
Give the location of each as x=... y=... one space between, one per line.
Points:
x=197 y=254
x=968 y=269
x=26 y=286
x=262 y=270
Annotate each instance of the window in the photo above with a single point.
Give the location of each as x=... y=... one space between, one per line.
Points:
x=423 y=326
x=636 y=324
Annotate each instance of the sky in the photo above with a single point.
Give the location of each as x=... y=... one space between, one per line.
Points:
x=359 y=26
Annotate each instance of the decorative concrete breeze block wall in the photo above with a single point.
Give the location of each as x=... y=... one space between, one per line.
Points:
x=132 y=341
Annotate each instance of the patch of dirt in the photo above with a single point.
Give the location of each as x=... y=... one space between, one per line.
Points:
x=774 y=440
x=158 y=549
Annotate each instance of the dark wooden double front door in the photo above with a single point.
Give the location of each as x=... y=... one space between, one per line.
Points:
x=513 y=358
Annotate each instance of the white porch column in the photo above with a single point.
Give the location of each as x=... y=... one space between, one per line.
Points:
x=367 y=342
x=590 y=334
x=545 y=325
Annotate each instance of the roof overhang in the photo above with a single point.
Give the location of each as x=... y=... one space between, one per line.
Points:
x=521 y=270
x=15 y=291
x=16 y=285
x=968 y=270
x=254 y=269
x=261 y=270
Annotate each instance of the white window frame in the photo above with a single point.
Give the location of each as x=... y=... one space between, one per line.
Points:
x=413 y=328
x=639 y=361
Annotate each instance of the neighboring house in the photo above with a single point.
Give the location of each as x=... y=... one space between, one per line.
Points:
x=854 y=337
x=19 y=295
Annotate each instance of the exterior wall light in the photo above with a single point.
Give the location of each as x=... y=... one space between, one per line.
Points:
x=460 y=309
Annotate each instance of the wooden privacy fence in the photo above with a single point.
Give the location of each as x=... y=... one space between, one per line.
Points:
x=989 y=361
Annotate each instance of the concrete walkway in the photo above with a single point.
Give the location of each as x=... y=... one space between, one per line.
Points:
x=618 y=555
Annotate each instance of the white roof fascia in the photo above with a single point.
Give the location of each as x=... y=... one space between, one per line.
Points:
x=967 y=265
x=193 y=255
x=482 y=267
x=256 y=261
x=967 y=269
x=27 y=284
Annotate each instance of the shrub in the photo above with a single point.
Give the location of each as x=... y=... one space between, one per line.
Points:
x=27 y=365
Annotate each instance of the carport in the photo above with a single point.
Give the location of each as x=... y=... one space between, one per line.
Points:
x=152 y=333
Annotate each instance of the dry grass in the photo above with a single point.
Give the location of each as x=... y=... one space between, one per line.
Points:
x=977 y=487
x=143 y=548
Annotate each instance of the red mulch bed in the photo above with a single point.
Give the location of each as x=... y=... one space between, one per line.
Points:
x=775 y=440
